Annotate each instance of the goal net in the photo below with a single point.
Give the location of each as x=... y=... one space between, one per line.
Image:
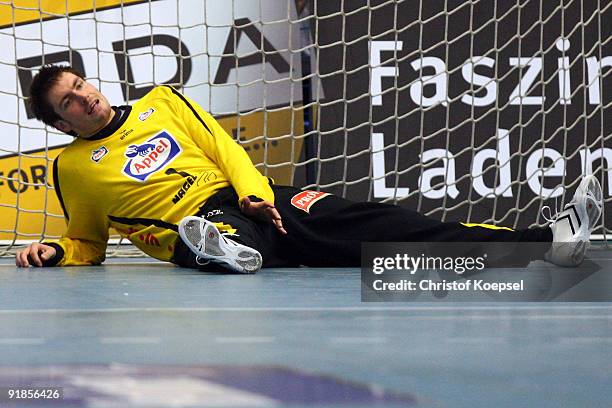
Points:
x=478 y=111
x=483 y=111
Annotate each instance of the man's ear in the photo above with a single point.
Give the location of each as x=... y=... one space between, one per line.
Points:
x=63 y=126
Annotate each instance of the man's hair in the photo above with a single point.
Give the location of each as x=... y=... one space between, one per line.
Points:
x=41 y=84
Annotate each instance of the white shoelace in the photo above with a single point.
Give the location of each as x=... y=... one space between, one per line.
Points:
x=550 y=218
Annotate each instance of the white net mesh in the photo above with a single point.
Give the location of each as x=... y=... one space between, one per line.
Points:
x=464 y=110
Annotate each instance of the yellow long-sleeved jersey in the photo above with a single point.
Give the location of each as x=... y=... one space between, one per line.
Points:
x=157 y=161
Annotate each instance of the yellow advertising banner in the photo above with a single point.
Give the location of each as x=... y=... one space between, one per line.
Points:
x=22 y=11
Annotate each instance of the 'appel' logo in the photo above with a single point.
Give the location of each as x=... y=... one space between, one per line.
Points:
x=151 y=156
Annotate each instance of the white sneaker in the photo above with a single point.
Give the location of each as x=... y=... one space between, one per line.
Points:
x=205 y=240
x=572 y=227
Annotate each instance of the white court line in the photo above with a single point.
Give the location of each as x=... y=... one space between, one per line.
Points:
x=358 y=340
x=488 y=317
x=489 y=308
x=130 y=340
x=21 y=341
x=585 y=340
x=476 y=340
x=245 y=340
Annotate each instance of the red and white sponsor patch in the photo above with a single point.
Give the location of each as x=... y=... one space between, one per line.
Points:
x=306 y=199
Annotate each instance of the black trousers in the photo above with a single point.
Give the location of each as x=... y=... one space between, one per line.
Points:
x=327 y=230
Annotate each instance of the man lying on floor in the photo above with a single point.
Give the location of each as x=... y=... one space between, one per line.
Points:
x=165 y=175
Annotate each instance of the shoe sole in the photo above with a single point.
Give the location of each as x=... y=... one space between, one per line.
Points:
x=215 y=248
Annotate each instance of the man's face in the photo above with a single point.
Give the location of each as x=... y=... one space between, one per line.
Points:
x=81 y=106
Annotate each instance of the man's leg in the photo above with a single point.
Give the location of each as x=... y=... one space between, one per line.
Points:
x=328 y=230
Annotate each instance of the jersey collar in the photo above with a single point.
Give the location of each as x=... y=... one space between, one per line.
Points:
x=121 y=115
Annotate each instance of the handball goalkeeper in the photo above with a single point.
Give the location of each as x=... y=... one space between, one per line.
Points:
x=166 y=176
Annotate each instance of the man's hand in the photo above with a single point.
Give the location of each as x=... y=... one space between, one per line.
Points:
x=35 y=254
x=263 y=210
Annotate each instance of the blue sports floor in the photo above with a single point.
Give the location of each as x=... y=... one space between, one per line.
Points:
x=137 y=333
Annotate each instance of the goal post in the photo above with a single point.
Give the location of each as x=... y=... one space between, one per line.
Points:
x=476 y=111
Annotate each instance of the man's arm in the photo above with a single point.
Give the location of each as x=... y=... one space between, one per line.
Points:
x=256 y=198
x=65 y=252
x=85 y=240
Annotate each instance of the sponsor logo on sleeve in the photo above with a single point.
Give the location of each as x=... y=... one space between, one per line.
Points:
x=98 y=154
x=145 y=115
x=306 y=199
x=151 y=156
